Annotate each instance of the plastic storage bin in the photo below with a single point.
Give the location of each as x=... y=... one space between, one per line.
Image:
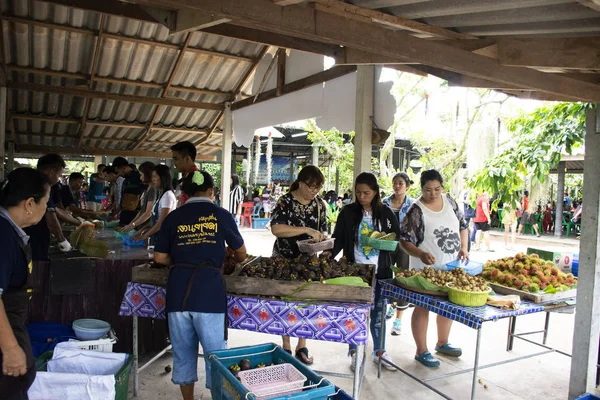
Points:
x=588 y=396
x=121 y=378
x=306 y=246
x=260 y=223
x=225 y=386
x=471 y=267
x=266 y=382
x=340 y=395
x=127 y=241
x=575 y=264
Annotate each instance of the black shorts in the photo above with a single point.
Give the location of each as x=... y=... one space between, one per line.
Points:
x=527 y=218
x=482 y=226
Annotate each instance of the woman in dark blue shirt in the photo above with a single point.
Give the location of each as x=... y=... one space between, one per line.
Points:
x=192 y=241
x=23 y=198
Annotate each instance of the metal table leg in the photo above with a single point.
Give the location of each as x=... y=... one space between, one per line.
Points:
x=381 y=339
x=360 y=356
x=546 y=326
x=136 y=374
x=476 y=365
x=512 y=325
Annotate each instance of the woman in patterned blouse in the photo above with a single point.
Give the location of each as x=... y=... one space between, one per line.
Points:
x=433 y=233
x=298 y=215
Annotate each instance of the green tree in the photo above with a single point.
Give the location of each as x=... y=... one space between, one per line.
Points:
x=542 y=137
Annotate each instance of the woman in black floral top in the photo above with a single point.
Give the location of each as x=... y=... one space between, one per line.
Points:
x=300 y=214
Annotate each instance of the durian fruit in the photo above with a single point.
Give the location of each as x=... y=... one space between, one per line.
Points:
x=81 y=235
x=99 y=225
x=95 y=248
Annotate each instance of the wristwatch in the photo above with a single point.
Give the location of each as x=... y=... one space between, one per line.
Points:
x=133 y=224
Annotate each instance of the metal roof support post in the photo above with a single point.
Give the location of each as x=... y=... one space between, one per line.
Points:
x=363 y=127
x=587 y=318
x=226 y=154
x=10 y=156
x=3 y=106
x=315 y=155
x=559 y=199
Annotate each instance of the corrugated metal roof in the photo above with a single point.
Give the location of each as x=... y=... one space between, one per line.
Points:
x=65 y=49
x=497 y=18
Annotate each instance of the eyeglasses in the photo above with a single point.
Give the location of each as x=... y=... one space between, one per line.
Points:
x=313 y=187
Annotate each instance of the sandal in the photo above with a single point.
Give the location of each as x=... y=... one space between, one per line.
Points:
x=449 y=350
x=428 y=360
x=302 y=355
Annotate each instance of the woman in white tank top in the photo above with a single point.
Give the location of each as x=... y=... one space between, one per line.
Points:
x=434 y=233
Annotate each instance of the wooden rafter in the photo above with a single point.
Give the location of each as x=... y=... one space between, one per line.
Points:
x=113 y=124
x=165 y=91
x=281 y=61
x=300 y=84
x=152 y=85
x=370 y=16
x=331 y=28
x=87 y=101
x=35 y=149
x=154 y=43
x=110 y=140
x=245 y=79
x=34 y=87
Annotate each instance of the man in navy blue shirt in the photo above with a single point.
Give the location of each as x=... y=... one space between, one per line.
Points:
x=52 y=165
x=69 y=200
x=192 y=240
x=131 y=192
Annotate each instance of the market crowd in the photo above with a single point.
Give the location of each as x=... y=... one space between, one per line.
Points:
x=192 y=235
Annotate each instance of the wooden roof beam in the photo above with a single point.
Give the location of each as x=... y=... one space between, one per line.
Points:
x=167 y=87
x=567 y=53
x=107 y=79
x=170 y=102
x=300 y=84
x=111 y=140
x=317 y=25
x=272 y=39
x=110 y=124
x=154 y=43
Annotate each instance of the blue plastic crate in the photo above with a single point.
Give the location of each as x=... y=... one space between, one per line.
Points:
x=587 y=396
x=100 y=198
x=471 y=267
x=340 y=395
x=225 y=386
x=260 y=223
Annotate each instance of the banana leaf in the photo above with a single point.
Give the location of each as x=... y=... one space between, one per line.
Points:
x=347 y=281
x=419 y=282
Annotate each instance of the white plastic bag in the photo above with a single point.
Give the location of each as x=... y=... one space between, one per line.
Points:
x=77 y=361
x=54 y=386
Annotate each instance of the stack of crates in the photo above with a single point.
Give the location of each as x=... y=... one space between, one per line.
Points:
x=225 y=386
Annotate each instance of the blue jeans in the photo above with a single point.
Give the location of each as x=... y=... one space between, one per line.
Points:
x=377 y=318
x=187 y=329
x=473 y=235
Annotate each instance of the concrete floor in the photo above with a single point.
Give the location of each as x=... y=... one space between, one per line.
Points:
x=541 y=377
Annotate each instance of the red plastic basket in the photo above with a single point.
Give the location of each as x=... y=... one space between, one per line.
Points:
x=274 y=381
x=307 y=246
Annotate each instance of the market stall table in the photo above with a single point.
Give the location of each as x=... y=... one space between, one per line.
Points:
x=72 y=286
x=473 y=317
x=335 y=322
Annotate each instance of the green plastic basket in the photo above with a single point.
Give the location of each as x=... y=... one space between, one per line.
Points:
x=468 y=299
x=121 y=377
x=386 y=245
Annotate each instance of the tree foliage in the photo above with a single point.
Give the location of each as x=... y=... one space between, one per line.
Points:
x=541 y=139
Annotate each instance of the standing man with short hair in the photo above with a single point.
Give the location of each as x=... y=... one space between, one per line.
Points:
x=70 y=197
x=53 y=166
x=482 y=222
x=96 y=188
x=131 y=191
x=184 y=158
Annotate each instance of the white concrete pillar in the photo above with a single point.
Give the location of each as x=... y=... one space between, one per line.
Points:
x=97 y=161
x=315 y=155
x=2 y=130
x=365 y=89
x=587 y=318
x=226 y=154
x=559 y=199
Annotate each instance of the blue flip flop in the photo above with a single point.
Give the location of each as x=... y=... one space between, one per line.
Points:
x=428 y=360
x=449 y=350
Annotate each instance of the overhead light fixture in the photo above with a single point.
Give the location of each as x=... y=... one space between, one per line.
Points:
x=299 y=157
x=300 y=134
